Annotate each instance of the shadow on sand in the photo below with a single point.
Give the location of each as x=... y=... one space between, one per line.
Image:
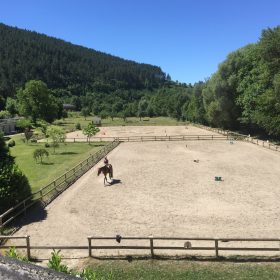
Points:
x=233 y=259
x=114 y=182
x=34 y=214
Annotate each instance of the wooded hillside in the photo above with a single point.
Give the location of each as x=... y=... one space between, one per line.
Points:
x=26 y=55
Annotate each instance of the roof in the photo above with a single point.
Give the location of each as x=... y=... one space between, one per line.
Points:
x=12 y=269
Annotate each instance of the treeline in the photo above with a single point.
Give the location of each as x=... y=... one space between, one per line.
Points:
x=71 y=69
x=245 y=91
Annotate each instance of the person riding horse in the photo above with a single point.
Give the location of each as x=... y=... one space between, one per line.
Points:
x=106 y=169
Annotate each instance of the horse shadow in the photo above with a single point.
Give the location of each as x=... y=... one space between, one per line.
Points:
x=114 y=182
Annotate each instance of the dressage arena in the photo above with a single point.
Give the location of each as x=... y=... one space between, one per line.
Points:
x=169 y=189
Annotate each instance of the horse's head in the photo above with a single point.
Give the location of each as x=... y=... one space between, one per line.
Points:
x=99 y=171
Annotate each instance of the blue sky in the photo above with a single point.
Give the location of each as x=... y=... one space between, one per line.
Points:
x=187 y=39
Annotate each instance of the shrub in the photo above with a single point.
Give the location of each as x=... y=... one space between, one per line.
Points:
x=11 y=143
x=78 y=126
x=33 y=140
x=14 y=185
x=55 y=263
x=4 y=115
x=47 y=145
x=12 y=253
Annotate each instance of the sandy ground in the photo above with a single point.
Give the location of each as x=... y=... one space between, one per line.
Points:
x=163 y=192
x=125 y=131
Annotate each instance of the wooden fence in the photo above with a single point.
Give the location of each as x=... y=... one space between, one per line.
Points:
x=152 y=138
x=218 y=244
x=46 y=194
x=238 y=136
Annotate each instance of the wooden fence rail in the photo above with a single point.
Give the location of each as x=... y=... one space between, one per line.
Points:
x=46 y=194
x=151 y=246
x=238 y=136
x=153 y=138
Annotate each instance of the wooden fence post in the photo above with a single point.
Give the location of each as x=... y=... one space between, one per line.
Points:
x=28 y=247
x=89 y=247
x=216 y=248
x=152 y=246
x=24 y=206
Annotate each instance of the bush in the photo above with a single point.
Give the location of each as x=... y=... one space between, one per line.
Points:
x=55 y=263
x=33 y=140
x=78 y=126
x=4 y=115
x=11 y=143
x=47 y=145
x=14 y=186
x=12 y=253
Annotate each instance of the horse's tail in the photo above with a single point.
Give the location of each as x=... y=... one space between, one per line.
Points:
x=99 y=171
x=111 y=170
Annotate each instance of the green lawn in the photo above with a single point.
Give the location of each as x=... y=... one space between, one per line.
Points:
x=69 y=123
x=66 y=157
x=183 y=270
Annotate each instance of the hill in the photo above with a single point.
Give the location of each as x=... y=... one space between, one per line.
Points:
x=27 y=55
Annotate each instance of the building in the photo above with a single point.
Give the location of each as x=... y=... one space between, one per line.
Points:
x=8 y=126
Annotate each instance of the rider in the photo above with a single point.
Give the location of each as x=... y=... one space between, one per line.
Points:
x=106 y=161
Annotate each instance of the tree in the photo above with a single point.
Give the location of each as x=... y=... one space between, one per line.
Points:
x=23 y=124
x=57 y=135
x=28 y=134
x=11 y=106
x=142 y=108
x=39 y=154
x=14 y=185
x=103 y=114
x=90 y=130
x=35 y=100
x=85 y=112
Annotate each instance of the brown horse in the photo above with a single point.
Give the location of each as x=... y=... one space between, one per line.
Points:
x=106 y=169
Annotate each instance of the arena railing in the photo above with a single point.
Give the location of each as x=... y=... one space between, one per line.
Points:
x=152 y=244
x=46 y=194
x=238 y=136
x=152 y=138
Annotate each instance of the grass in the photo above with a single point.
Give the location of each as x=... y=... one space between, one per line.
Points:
x=69 y=123
x=182 y=269
x=66 y=157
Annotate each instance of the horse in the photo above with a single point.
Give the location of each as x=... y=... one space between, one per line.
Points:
x=106 y=169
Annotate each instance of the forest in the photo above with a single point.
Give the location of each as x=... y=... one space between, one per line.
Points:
x=242 y=95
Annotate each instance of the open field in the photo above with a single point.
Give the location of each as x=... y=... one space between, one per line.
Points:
x=65 y=158
x=69 y=123
x=125 y=131
x=163 y=192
